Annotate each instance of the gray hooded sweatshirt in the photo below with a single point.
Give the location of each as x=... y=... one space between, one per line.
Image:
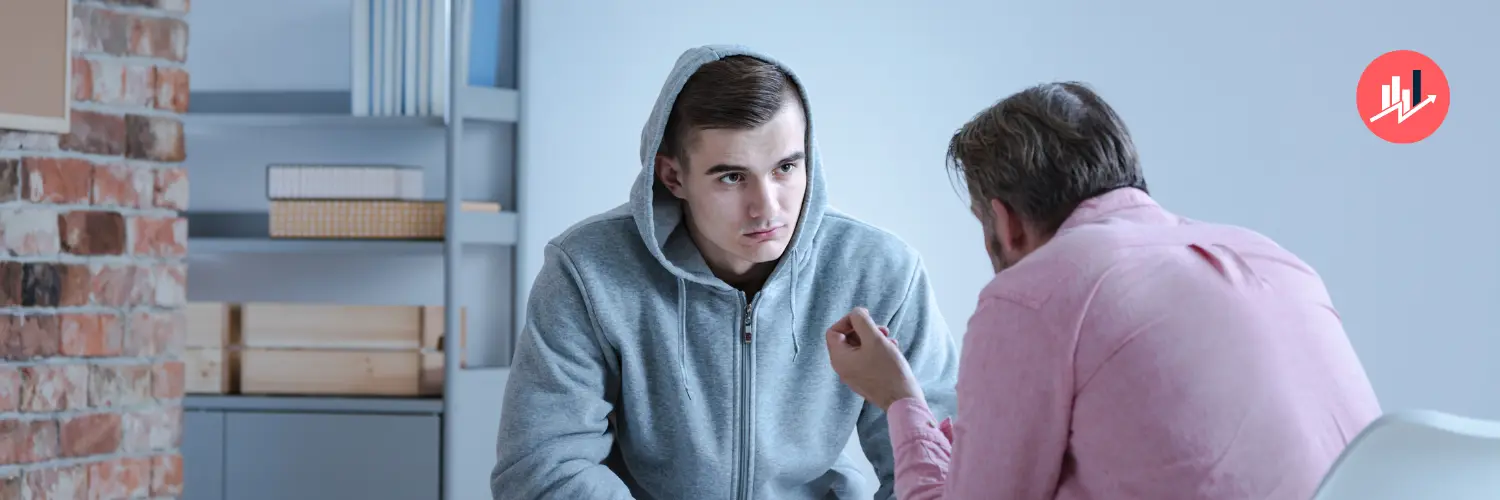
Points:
x=639 y=374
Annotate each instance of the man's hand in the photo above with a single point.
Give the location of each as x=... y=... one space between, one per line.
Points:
x=868 y=361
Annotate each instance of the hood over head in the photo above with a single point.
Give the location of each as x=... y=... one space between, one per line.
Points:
x=658 y=213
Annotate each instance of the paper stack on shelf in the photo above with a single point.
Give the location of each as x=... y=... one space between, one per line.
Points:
x=344 y=182
x=399 y=54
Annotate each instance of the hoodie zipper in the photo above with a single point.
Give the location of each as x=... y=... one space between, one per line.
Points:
x=749 y=333
x=746 y=379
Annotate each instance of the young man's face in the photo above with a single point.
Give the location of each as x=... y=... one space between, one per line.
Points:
x=743 y=189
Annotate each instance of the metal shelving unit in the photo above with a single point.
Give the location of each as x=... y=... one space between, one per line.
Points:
x=315 y=404
x=331 y=108
x=245 y=232
x=229 y=233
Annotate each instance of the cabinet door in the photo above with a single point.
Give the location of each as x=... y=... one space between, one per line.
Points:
x=311 y=456
x=202 y=455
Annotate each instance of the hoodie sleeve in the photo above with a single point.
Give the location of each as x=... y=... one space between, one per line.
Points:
x=923 y=334
x=554 y=429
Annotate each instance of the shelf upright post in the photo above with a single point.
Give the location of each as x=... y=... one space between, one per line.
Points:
x=452 y=242
x=519 y=294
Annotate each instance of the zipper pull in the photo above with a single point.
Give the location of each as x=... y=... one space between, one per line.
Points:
x=747 y=323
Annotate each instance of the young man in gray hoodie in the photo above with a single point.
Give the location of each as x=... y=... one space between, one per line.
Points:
x=673 y=346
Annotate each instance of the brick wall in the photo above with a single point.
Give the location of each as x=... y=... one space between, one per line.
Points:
x=92 y=276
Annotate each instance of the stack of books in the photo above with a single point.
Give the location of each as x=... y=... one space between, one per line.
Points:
x=354 y=201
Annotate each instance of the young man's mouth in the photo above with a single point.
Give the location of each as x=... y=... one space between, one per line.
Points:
x=765 y=234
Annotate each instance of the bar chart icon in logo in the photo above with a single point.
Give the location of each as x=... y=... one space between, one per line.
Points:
x=1402 y=110
x=1401 y=105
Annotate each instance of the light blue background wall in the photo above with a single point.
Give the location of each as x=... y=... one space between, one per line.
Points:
x=1244 y=113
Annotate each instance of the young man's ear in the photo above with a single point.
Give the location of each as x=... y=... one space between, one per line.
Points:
x=669 y=172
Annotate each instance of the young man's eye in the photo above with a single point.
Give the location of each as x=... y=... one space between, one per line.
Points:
x=730 y=178
x=787 y=167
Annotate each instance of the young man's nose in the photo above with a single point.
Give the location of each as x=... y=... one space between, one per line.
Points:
x=762 y=200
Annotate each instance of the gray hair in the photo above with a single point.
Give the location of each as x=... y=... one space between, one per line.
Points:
x=1043 y=151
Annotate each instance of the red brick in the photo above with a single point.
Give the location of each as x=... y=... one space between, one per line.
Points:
x=172 y=188
x=27 y=141
x=28 y=231
x=120 y=478
x=83 y=80
x=57 y=180
x=27 y=441
x=11 y=275
x=10 y=179
x=100 y=30
x=166 y=475
x=119 y=385
x=41 y=284
x=76 y=285
x=156 y=333
x=10 y=389
x=91 y=335
x=169 y=285
x=119 y=82
x=47 y=388
x=114 y=285
x=123 y=185
x=161 y=236
x=95 y=133
x=10 y=485
x=159 y=428
x=121 y=285
x=91 y=434
x=143 y=292
x=92 y=232
x=168 y=380
x=58 y=483
x=30 y=337
x=159 y=37
x=154 y=138
x=173 y=328
x=143 y=339
x=172 y=89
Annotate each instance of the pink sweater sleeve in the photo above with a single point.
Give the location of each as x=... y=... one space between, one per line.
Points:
x=1015 y=389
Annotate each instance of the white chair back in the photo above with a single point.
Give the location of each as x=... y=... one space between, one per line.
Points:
x=1418 y=455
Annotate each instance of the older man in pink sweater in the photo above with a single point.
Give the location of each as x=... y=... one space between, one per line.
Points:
x=1120 y=351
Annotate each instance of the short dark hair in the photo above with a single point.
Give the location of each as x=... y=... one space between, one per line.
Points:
x=1043 y=151
x=738 y=92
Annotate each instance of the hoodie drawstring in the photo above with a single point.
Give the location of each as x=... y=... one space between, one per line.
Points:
x=682 y=333
x=682 y=325
x=795 y=344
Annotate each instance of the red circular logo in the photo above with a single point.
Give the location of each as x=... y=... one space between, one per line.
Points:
x=1402 y=96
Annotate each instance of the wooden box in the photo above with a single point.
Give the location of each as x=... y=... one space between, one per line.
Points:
x=209 y=357
x=343 y=349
